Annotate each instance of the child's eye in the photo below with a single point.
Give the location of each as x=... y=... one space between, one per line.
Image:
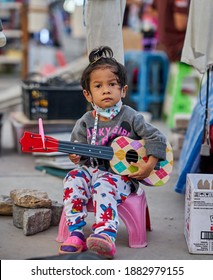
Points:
x=112 y=84
x=97 y=86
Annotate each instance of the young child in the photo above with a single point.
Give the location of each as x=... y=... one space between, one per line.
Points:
x=104 y=86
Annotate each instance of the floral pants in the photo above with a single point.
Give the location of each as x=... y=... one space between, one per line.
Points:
x=106 y=189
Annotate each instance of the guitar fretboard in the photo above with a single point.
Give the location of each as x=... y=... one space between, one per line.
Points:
x=81 y=149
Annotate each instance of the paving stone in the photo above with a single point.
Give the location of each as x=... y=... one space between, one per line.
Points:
x=30 y=198
x=18 y=213
x=36 y=220
x=6 y=205
x=57 y=209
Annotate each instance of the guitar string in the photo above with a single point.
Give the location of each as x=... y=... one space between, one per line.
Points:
x=64 y=145
x=82 y=151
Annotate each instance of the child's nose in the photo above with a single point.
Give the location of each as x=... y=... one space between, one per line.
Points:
x=106 y=89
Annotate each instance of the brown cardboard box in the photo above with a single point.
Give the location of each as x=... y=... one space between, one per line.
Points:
x=198 y=228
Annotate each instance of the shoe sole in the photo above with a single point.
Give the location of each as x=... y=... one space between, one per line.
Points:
x=101 y=247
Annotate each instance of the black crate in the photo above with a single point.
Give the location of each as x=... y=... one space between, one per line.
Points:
x=49 y=102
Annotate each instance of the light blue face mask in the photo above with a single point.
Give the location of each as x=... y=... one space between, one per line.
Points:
x=110 y=112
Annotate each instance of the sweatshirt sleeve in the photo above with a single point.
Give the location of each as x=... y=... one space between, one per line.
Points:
x=155 y=140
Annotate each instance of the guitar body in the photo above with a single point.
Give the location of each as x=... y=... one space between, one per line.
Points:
x=122 y=151
x=127 y=150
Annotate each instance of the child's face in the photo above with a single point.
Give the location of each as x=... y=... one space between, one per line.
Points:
x=105 y=91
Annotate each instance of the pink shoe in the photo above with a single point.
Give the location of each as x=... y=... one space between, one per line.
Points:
x=102 y=245
x=72 y=245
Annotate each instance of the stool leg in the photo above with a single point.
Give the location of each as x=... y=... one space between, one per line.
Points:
x=148 y=221
x=62 y=229
x=134 y=213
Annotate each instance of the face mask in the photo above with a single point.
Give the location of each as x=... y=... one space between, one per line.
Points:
x=109 y=113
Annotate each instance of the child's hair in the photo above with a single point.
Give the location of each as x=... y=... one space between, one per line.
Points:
x=99 y=58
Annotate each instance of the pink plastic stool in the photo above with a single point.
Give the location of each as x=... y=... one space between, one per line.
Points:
x=134 y=213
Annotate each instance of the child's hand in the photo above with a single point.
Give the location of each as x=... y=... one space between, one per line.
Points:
x=74 y=158
x=144 y=169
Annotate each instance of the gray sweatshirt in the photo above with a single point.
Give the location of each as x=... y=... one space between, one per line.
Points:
x=128 y=123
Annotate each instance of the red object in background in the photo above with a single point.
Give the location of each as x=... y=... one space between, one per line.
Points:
x=61 y=60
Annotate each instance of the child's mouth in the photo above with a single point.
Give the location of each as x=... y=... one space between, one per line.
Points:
x=107 y=99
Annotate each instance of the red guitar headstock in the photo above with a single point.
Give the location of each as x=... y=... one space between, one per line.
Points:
x=32 y=143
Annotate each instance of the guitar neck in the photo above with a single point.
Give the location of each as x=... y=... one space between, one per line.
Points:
x=81 y=149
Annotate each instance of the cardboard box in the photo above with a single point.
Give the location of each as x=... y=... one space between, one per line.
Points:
x=198 y=228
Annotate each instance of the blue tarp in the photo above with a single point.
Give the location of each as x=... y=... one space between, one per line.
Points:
x=190 y=153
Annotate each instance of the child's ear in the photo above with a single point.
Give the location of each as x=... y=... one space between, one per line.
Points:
x=87 y=95
x=124 y=91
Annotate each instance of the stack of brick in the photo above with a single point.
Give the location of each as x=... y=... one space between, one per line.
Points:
x=32 y=210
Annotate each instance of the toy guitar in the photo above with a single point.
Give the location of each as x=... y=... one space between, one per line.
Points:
x=122 y=151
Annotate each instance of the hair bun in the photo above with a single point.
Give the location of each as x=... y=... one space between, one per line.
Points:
x=100 y=52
